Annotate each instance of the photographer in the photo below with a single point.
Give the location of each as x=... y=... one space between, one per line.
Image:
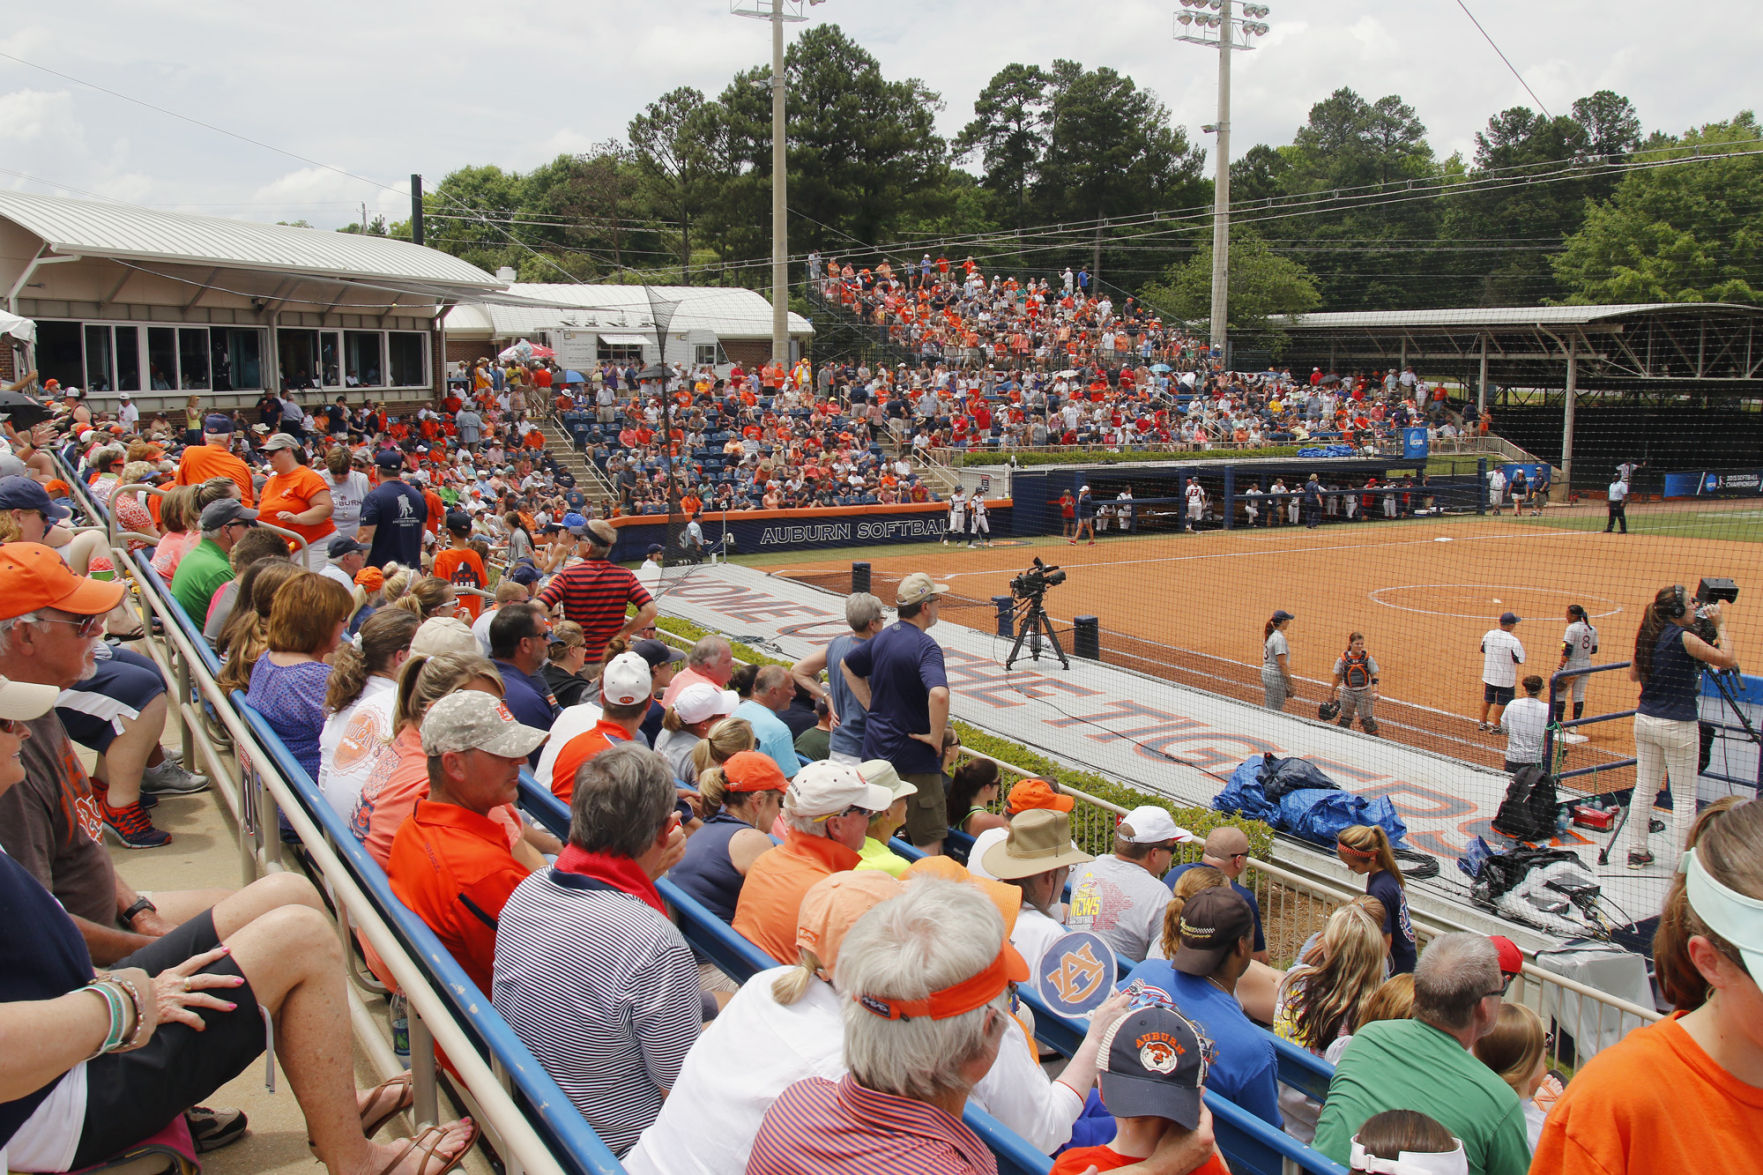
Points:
x=1676 y=638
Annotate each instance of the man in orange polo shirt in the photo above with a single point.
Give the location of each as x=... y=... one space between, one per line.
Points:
x=625 y=689
x=827 y=810
x=212 y=459
x=450 y=862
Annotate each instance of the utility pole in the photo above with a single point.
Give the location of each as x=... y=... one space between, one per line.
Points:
x=415 y=208
x=1211 y=23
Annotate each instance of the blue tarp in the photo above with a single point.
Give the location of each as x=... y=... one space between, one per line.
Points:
x=1327 y=451
x=1314 y=814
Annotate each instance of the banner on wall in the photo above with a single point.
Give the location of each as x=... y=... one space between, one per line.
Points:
x=1714 y=483
x=754 y=531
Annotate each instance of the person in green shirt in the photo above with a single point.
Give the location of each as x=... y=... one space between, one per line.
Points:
x=883 y=825
x=815 y=743
x=202 y=572
x=1424 y=1064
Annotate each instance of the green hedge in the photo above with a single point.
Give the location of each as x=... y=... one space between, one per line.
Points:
x=1093 y=828
x=1127 y=456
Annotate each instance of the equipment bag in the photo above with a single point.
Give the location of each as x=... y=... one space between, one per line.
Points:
x=1529 y=811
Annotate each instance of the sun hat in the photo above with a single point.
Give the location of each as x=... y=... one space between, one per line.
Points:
x=1039 y=841
x=881 y=773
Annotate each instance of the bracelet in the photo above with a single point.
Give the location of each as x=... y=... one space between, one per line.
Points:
x=140 y=1024
x=113 y=1001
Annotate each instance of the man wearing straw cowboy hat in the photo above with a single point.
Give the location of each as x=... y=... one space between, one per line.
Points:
x=1036 y=857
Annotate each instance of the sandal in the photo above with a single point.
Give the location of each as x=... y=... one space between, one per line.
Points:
x=376 y=1115
x=426 y=1142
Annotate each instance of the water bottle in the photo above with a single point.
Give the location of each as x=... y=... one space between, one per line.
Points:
x=398 y=1011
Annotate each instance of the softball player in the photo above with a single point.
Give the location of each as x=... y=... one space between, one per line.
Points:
x=957 y=517
x=1578 y=644
x=978 y=523
x=1355 y=679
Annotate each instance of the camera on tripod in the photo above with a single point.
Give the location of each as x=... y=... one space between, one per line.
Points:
x=1711 y=591
x=1033 y=583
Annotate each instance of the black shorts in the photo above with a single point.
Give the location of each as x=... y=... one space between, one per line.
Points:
x=130 y=1096
x=118 y=690
x=1498 y=695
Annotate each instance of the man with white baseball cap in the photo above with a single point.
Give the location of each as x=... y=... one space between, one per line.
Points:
x=688 y=720
x=898 y=676
x=624 y=699
x=827 y=810
x=1121 y=897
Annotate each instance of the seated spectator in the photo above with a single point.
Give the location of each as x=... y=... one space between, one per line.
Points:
x=589 y=972
x=1402 y=1140
x=1153 y=1064
x=246 y=634
x=624 y=699
x=177 y=1018
x=360 y=697
x=451 y=863
x=180 y=530
x=772 y=691
x=201 y=572
x=1516 y=1049
x=509 y=591
x=428 y=597
x=520 y=639
x=688 y=721
x=664 y=662
x=924 y=981
x=1424 y=1064
x=288 y=682
x=728 y=736
x=815 y=743
x=1217 y=939
x=564 y=661
x=1024 y=794
x=883 y=825
x=1320 y=1002
x=827 y=811
x=972 y=792
x=711 y=661
x=738 y=801
x=254 y=546
x=1227 y=850
x=1036 y=856
x=1681 y=1094
x=1120 y=897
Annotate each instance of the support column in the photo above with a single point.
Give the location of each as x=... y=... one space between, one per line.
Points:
x=1567 y=414
x=1481 y=385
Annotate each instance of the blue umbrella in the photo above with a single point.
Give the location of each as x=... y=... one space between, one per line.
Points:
x=573 y=377
x=1161 y=368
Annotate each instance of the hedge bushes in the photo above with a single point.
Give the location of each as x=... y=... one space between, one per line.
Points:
x=1092 y=828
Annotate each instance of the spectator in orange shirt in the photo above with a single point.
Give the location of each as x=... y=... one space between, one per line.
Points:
x=461 y=566
x=296 y=498
x=212 y=458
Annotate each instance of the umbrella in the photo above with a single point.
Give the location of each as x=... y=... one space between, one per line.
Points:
x=522 y=350
x=23 y=411
x=1068 y=373
x=540 y=351
x=1161 y=368
x=573 y=377
x=1330 y=380
x=22 y=329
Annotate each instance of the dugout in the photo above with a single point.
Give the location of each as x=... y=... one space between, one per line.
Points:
x=1158 y=489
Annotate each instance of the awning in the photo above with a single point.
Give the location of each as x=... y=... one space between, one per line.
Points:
x=626 y=340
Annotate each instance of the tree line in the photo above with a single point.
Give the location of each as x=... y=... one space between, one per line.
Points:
x=1065 y=164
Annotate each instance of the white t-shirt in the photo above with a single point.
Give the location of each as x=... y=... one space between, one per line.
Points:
x=355 y=746
x=480 y=628
x=1120 y=902
x=1525 y=720
x=577 y=719
x=347 y=494
x=1034 y=933
x=1501 y=655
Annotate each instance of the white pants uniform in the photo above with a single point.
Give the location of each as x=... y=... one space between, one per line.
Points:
x=957 y=521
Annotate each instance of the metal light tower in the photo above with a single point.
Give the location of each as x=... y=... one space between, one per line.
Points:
x=778 y=12
x=1212 y=23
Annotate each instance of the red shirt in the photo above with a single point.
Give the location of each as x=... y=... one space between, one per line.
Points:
x=579 y=750
x=453 y=869
x=816 y=1126
x=594 y=594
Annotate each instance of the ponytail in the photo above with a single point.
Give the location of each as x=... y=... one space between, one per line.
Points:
x=1370 y=842
x=1653 y=622
x=383 y=636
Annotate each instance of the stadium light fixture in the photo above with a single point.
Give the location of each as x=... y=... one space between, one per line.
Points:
x=1215 y=25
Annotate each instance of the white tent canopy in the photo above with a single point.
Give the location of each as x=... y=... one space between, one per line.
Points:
x=22 y=329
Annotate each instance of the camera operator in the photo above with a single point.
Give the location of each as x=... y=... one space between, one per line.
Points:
x=1676 y=638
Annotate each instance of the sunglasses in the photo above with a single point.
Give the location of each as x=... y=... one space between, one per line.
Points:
x=12 y=726
x=83 y=626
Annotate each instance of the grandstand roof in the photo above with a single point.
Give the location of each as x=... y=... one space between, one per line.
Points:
x=729 y=313
x=123 y=232
x=1487 y=317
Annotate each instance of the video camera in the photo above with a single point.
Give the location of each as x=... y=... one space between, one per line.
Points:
x=1033 y=583
x=1711 y=591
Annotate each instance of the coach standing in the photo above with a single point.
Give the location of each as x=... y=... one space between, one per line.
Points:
x=594 y=592
x=898 y=677
x=1501 y=655
x=1618 y=500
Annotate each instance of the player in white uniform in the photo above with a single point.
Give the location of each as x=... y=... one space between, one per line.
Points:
x=1578 y=644
x=1196 y=499
x=957 y=517
x=1497 y=488
x=978 y=523
x=1123 y=510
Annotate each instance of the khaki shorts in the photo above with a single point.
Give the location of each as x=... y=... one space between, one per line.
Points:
x=927 y=813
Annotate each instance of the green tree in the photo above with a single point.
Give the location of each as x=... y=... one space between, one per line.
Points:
x=1681 y=233
x=1261 y=284
x=1008 y=132
x=674 y=142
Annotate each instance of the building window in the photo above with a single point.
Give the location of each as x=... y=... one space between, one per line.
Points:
x=128 y=359
x=162 y=358
x=61 y=355
x=708 y=355
x=237 y=354
x=405 y=349
x=297 y=350
x=98 y=359
x=193 y=357
x=362 y=365
x=621 y=354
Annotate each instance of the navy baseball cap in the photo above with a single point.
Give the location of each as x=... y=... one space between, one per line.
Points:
x=217 y=423
x=458 y=520
x=525 y=573
x=389 y=459
x=344 y=545
x=1509 y=618
x=24 y=493
x=1152 y=1064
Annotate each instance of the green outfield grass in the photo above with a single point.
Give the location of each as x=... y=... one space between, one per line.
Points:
x=1735 y=522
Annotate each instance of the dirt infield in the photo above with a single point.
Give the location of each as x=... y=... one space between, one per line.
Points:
x=1191 y=608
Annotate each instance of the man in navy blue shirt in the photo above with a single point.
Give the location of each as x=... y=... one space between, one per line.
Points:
x=392 y=516
x=899 y=678
x=1227 y=850
x=520 y=638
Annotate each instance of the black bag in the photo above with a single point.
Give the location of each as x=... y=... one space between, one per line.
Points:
x=1528 y=813
x=1279 y=776
x=1502 y=871
x=1329 y=710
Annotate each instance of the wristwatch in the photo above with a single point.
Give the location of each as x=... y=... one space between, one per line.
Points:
x=135 y=911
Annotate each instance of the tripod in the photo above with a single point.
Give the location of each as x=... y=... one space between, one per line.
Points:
x=1034 y=626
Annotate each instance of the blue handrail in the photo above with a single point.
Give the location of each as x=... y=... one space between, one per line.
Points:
x=571 y=1139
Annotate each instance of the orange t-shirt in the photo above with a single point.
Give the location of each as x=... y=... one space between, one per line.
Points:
x=1652 y=1102
x=201 y=462
x=771 y=897
x=461 y=567
x=1105 y=1158
x=579 y=750
x=294 y=492
x=437 y=512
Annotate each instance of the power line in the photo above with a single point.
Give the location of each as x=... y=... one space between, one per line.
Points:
x=1503 y=57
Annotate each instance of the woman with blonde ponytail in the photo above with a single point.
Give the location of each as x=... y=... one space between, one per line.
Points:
x=738 y=801
x=1366 y=850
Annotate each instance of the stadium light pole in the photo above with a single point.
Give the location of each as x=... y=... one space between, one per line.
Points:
x=1213 y=23
x=778 y=12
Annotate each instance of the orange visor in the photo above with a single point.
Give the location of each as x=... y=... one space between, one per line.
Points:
x=965 y=996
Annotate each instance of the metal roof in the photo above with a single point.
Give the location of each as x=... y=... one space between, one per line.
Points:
x=1472 y=317
x=91 y=228
x=727 y=312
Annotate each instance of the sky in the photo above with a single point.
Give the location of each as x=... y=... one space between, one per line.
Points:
x=341 y=102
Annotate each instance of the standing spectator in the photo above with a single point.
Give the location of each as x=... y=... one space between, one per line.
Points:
x=1086 y=516
x=520 y=642
x=1036 y=855
x=1217 y=937
x=827 y=810
x=863 y=612
x=1425 y=1065
x=1527 y=719
x=1276 y=655
x=1501 y=655
x=589 y=972
x=1497 y=489
x=213 y=458
x=288 y=681
x=1617 y=499
x=345 y=475
x=899 y=679
x=1366 y=850
x=594 y=592
x=711 y=662
x=1579 y=643
x=295 y=498
x=1121 y=897
x=392 y=516
x=1067 y=514
x=772 y=691
x=461 y=566
x=1355 y=681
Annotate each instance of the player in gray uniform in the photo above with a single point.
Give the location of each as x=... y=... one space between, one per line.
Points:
x=1578 y=644
x=957 y=517
x=1355 y=679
